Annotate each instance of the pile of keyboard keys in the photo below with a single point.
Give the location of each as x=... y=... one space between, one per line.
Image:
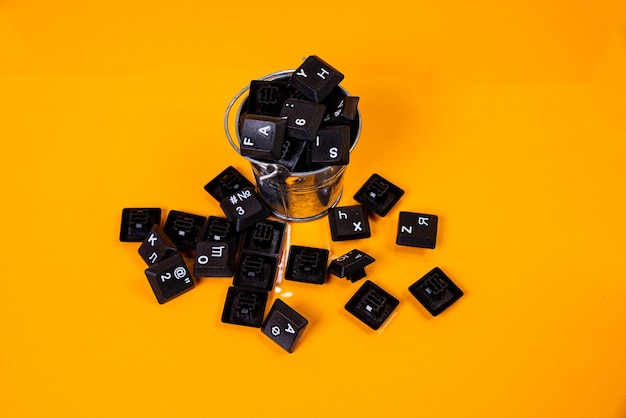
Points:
x=247 y=245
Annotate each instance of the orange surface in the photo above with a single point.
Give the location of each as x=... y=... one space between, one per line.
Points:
x=505 y=119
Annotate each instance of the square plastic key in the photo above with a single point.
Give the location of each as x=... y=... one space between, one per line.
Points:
x=315 y=78
x=244 y=208
x=218 y=229
x=342 y=111
x=417 y=230
x=169 y=278
x=266 y=97
x=262 y=137
x=303 y=118
x=351 y=265
x=215 y=259
x=372 y=305
x=291 y=152
x=256 y=271
x=244 y=307
x=157 y=246
x=331 y=146
x=184 y=229
x=435 y=291
x=348 y=222
x=307 y=264
x=378 y=195
x=284 y=325
x=228 y=181
x=265 y=237
x=136 y=223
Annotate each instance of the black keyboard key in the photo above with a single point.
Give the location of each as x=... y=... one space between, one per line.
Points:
x=284 y=325
x=342 y=111
x=169 y=278
x=372 y=305
x=265 y=237
x=157 y=246
x=292 y=151
x=136 y=223
x=351 y=265
x=256 y=271
x=435 y=291
x=183 y=229
x=228 y=181
x=315 y=78
x=215 y=259
x=378 y=195
x=218 y=229
x=244 y=307
x=348 y=222
x=266 y=97
x=303 y=118
x=244 y=208
x=262 y=137
x=307 y=264
x=331 y=146
x=417 y=230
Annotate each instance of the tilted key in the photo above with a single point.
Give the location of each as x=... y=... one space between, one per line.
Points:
x=342 y=111
x=351 y=265
x=228 y=181
x=331 y=146
x=169 y=278
x=262 y=137
x=378 y=195
x=157 y=246
x=435 y=291
x=303 y=118
x=372 y=305
x=244 y=208
x=266 y=97
x=315 y=78
x=284 y=325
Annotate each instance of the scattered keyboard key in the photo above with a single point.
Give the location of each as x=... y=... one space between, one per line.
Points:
x=303 y=118
x=218 y=229
x=184 y=229
x=215 y=259
x=315 y=78
x=244 y=307
x=256 y=271
x=417 y=230
x=348 y=222
x=136 y=223
x=306 y=264
x=157 y=246
x=378 y=195
x=265 y=237
x=244 y=208
x=351 y=265
x=372 y=305
x=169 y=278
x=435 y=291
x=227 y=182
x=284 y=325
x=331 y=146
x=262 y=136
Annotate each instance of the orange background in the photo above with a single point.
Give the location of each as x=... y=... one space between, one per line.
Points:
x=507 y=120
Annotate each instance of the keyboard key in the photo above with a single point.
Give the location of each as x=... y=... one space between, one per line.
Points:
x=266 y=97
x=256 y=271
x=157 y=246
x=262 y=137
x=342 y=111
x=227 y=182
x=306 y=264
x=292 y=152
x=303 y=118
x=315 y=78
x=435 y=291
x=244 y=307
x=331 y=146
x=184 y=229
x=244 y=209
x=136 y=223
x=417 y=230
x=215 y=259
x=284 y=325
x=351 y=265
x=169 y=278
x=265 y=237
x=218 y=229
x=348 y=222
x=372 y=305
x=378 y=195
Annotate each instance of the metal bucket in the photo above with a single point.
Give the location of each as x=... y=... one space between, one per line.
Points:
x=292 y=196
